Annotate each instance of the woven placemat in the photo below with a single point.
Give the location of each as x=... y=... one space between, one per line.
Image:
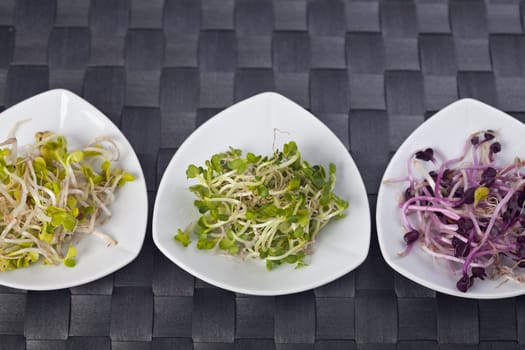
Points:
x=372 y=71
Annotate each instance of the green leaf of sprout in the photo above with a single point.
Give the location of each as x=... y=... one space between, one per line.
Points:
x=223 y=217
x=201 y=205
x=72 y=202
x=294 y=184
x=252 y=158
x=76 y=156
x=201 y=190
x=206 y=244
x=69 y=260
x=126 y=177
x=87 y=171
x=234 y=249
x=291 y=259
x=183 y=238
x=216 y=162
x=225 y=244
x=290 y=149
x=238 y=164
x=192 y=171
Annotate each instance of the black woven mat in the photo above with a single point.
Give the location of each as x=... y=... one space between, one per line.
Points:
x=372 y=71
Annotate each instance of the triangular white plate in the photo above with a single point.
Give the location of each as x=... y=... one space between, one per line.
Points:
x=250 y=125
x=446 y=131
x=65 y=113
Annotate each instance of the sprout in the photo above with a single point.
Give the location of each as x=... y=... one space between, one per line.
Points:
x=472 y=217
x=270 y=208
x=49 y=196
x=425 y=155
x=411 y=237
x=69 y=260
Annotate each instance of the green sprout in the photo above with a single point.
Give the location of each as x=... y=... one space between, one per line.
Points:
x=270 y=208
x=49 y=195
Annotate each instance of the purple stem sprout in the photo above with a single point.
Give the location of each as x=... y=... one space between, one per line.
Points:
x=468 y=213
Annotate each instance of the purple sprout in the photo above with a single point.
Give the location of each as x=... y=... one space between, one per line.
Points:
x=411 y=236
x=488 y=176
x=464 y=283
x=472 y=215
x=479 y=272
x=495 y=147
x=426 y=155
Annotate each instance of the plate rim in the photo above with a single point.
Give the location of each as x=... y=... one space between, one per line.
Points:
x=248 y=291
x=143 y=190
x=380 y=198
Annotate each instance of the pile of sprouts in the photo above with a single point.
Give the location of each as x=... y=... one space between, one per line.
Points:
x=50 y=197
x=270 y=208
x=467 y=212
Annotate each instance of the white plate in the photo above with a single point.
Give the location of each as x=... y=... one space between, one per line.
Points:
x=249 y=125
x=446 y=131
x=66 y=113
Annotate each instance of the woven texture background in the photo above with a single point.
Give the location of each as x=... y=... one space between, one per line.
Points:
x=372 y=71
